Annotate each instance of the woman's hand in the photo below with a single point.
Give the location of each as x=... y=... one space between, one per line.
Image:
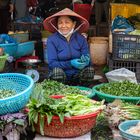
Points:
x=76 y=63
x=85 y=59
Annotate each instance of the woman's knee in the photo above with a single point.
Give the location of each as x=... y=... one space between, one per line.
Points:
x=87 y=74
x=58 y=74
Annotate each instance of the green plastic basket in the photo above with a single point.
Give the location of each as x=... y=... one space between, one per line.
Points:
x=91 y=95
x=3 y=59
x=110 y=98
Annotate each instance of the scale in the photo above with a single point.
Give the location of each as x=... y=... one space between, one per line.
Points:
x=30 y=64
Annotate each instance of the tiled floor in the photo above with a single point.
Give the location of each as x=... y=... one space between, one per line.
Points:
x=84 y=137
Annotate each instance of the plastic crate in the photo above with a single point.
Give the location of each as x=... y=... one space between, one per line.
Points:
x=131 y=65
x=126 y=47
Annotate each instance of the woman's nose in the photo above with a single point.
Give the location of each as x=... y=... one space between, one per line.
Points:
x=63 y=25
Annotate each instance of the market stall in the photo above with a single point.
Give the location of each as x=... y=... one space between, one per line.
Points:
x=47 y=109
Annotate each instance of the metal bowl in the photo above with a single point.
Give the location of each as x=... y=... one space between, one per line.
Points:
x=31 y=61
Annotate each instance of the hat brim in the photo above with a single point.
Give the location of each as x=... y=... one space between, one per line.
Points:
x=51 y=22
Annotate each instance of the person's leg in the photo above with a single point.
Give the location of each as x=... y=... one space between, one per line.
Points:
x=86 y=76
x=4 y=18
x=73 y=80
x=58 y=74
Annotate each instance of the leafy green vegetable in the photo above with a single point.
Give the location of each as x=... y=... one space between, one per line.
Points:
x=50 y=87
x=6 y=93
x=70 y=105
x=125 y=88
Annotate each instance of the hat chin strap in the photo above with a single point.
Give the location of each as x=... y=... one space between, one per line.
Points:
x=68 y=34
x=72 y=31
x=78 y=27
x=53 y=25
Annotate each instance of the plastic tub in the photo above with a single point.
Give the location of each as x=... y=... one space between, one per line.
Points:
x=10 y=48
x=124 y=126
x=24 y=49
x=110 y=98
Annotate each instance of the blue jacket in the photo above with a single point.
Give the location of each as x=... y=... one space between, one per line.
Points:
x=59 y=51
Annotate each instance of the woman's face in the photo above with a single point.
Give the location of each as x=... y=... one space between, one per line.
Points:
x=65 y=24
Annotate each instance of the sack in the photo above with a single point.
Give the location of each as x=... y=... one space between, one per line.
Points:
x=121 y=74
x=121 y=23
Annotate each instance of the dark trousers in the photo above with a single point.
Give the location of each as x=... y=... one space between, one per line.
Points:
x=84 y=77
x=4 y=21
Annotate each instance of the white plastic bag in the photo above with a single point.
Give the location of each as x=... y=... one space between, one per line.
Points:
x=121 y=75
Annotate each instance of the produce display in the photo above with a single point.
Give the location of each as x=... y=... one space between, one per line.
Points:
x=119 y=111
x=130 y=129
x=125 y=88
x=50 y=87
x=135 y=130
x=72 y=103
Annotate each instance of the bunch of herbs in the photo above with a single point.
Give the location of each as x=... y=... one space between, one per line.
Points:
x=70 y=105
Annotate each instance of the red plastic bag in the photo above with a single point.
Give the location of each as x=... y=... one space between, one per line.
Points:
x=32 y=3
x=84 y=10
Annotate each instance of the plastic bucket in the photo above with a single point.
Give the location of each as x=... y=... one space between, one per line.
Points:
x=84 y=10
x=99 y=50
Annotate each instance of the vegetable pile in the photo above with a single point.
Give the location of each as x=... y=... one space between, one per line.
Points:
x=125 y=88
x=71 y=104
x=50 y=87
x=134 y=130
x=11 y=122
x=6 y=93
x=119 y=111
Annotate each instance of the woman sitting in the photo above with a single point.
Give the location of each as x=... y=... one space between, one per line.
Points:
x=67 y=51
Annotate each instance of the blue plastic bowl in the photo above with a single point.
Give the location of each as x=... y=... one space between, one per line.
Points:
x=124 y=126
x=10 y=48
x=25 y=48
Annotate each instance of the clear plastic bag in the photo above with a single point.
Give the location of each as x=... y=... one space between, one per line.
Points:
x=121 y=75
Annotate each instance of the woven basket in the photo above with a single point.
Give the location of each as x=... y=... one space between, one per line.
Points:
x=2 y=61
x=22 y=84
x=72 y=127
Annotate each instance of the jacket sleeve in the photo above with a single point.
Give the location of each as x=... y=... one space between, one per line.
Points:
x=84 y=46
x=53 y=60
